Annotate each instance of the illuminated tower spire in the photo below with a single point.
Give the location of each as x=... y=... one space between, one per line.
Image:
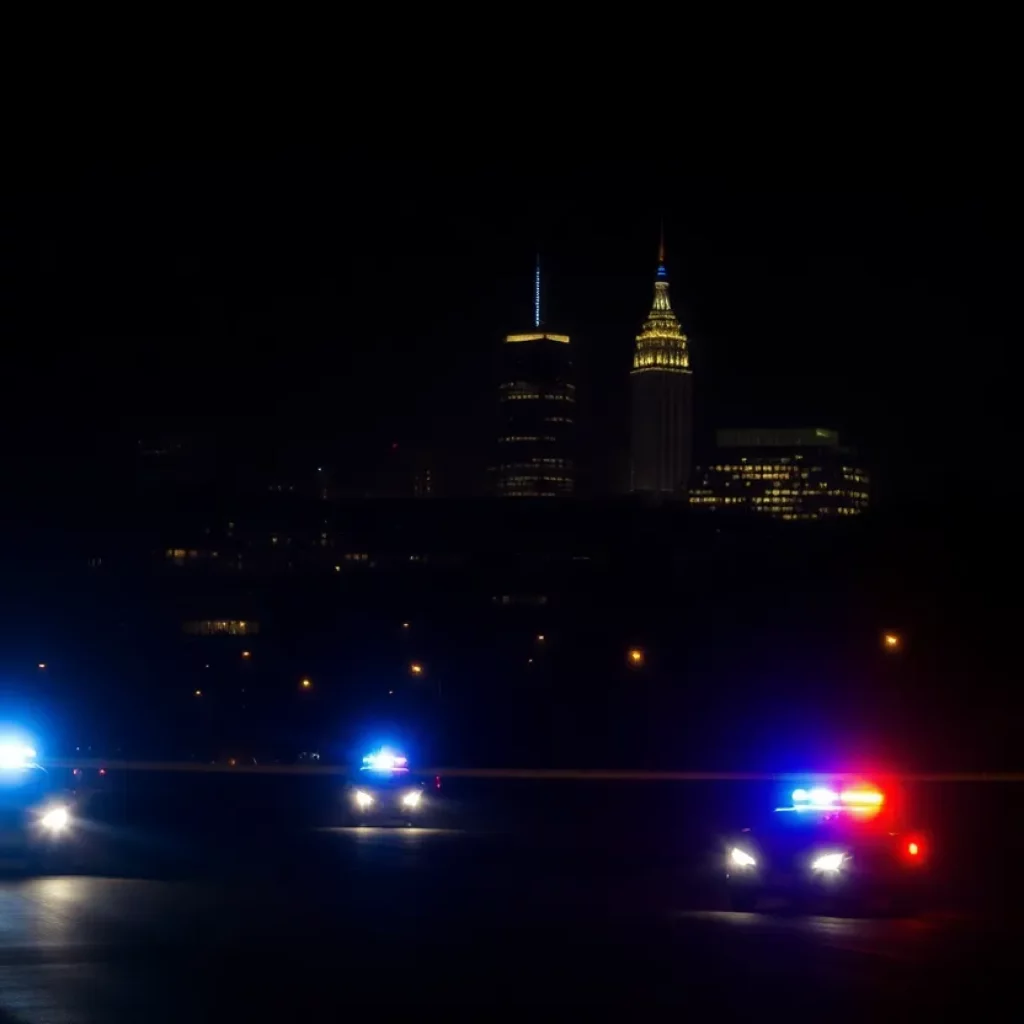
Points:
x=662 y=386
x=661 y=343
x=537 y=401
x=536 y=294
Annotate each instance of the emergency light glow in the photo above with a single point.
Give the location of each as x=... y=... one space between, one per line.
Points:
x=814 y=799
x=384 y=761
x=820 y=798
x=15 y=755
x=862 y=797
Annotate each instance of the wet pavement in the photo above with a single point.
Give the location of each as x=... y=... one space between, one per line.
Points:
x=335 y=921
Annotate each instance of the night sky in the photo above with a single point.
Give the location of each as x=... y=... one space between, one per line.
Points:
x=344 y=304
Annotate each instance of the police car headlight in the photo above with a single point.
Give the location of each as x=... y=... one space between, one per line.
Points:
x=828 y=862
x=741 y=859
x=412 y=798
x=364 y=800
x=56 y=819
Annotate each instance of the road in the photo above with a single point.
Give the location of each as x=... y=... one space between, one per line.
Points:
x=329 y=921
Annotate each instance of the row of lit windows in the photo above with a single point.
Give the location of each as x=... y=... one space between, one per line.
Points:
x=529 y=481
x=777 y=508
x=781 y=466
x=765 y=471
x=538 y=461
x=225 y=627
x=546 y=396
x=510 y=440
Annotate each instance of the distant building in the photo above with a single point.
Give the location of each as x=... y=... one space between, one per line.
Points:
x=423 y=483
x=661 y=442
x=784 y=474
x=535 y=457
x=172 y=463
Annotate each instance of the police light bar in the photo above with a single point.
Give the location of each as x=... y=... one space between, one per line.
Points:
x=821 y=798
x=385 y=761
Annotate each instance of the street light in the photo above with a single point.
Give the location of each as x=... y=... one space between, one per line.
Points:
x=416 y=669
x=892 y=642
x=306 y=684
x=199 y=693
x=246 y=654
x=635 y=657
x=540 y=638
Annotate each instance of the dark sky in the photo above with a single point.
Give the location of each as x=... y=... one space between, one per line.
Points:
x=348 y=302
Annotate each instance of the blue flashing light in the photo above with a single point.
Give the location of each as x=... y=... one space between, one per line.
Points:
x=662 y=273
x=860 y=799
x=814 y=800
x=385 y=760
x=15 y=754
x=822 y=797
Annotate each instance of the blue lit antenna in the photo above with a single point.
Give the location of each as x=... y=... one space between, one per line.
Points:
x=536 y=294
x=662 y=272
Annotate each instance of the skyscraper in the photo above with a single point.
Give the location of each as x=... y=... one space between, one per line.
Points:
x=661 y=381
x=538 y=411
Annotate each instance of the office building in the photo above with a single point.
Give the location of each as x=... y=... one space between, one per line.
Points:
x=785 y=474
x=537 y=409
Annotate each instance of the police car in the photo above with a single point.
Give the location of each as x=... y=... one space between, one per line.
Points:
x=844 y=846
x=384 y=793
x=36 y=818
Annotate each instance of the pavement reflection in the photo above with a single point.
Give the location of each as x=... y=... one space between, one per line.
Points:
x=318 y=920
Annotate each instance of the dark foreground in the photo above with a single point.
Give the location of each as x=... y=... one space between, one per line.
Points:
x=255 y=923
x=367 y=921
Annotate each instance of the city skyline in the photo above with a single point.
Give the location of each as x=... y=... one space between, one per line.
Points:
x=367 y=324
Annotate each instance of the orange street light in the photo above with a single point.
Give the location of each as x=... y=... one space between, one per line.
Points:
x=416 y=669
x=635 y=657
x=246 y=654
x=306 y=684
x=892 y=641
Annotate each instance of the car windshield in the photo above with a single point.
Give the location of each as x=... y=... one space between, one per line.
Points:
x=831 y=822
x=378 y=779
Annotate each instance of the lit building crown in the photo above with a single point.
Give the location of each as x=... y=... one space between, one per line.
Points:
x=661 y=344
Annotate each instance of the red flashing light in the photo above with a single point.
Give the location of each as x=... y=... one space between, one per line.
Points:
x=913 y=849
